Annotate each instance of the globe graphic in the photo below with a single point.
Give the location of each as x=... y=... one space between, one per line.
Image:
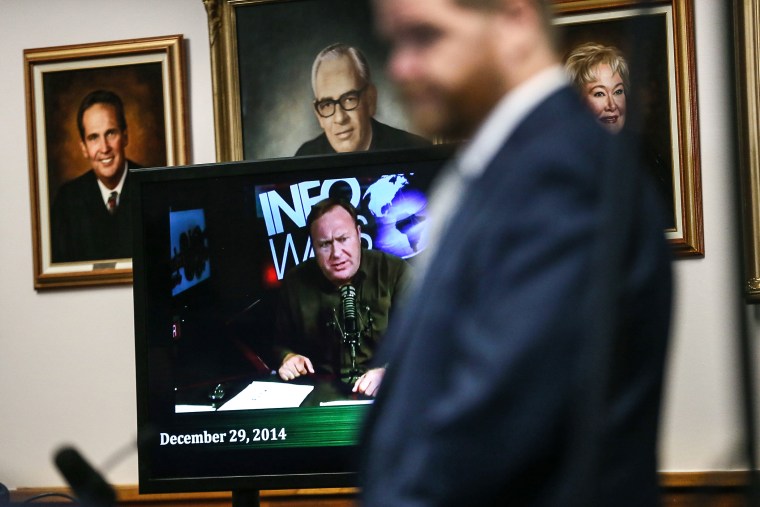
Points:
x=400 y=214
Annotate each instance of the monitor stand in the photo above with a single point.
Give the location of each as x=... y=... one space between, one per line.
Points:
x=245 y=498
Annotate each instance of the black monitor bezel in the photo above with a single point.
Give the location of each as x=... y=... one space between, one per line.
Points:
x=276 y=167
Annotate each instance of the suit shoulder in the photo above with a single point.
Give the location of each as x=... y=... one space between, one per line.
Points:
x=83 y=179
x=377 y=260
x=560 y=135
x=82 y=183
x=381 y=256
x=317 y=146
x=387 y=137
x=301 y=273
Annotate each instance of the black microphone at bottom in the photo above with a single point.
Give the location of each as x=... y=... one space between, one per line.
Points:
x=88 y=485
x=348 y=304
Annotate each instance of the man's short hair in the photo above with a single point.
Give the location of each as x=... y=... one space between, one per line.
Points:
x=325 y=205
x=101 y=97
x=479 y=4
x=339 y=50
x=543 y=7
x=582 y=61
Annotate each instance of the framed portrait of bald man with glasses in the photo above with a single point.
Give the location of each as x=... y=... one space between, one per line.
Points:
x=322 y=92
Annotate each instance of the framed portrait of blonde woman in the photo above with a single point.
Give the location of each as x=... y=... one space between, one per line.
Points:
x=633 y=64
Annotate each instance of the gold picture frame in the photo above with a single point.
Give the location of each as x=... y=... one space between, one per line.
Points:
x=261 y=73
x=685 y=234
x=148 y=75
x=667 y=102
x=747 y=54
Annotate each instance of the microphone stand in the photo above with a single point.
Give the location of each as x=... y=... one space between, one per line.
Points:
x=353 y=339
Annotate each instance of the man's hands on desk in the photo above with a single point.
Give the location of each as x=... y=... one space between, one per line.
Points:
x=369 y=383
x=296 y=365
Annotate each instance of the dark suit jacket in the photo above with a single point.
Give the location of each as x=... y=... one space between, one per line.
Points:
x=384 y=137
x=527 y=368
x=82 y=229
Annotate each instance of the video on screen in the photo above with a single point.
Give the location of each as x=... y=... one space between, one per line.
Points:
x=228 y=333
x=257 y=336
x=308 y=320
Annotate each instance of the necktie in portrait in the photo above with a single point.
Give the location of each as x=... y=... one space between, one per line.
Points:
x=112 y=202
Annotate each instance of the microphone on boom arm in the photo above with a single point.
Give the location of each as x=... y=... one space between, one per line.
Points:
x=86 y=481
x=351 y=334
x=88 y=484
x=350 y=326
x=348 y=306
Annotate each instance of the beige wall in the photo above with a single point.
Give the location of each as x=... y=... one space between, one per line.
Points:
x=701 y=423
x=67 y=356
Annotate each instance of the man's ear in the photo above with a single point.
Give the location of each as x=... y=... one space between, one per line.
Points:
x=126 y=138
x=515 y=11
x=514 y=7
x=371 y=97
x=84 y=150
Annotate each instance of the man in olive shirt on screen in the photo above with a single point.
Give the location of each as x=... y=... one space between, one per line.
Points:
x=311 y=301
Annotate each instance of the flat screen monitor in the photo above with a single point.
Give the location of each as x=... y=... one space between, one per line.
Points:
x=212 y=244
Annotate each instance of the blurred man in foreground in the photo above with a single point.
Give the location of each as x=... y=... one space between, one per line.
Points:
x=526 y=366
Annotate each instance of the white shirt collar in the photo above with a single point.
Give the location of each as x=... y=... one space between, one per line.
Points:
x=105 y=192
x=475 y=156
x=506 y=116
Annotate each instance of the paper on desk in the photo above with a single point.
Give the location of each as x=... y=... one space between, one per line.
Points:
x=184 y=409
x=339 y=403
x=268 y=395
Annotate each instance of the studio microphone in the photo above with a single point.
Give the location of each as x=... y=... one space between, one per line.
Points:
x=348 y=303
x=86 y=482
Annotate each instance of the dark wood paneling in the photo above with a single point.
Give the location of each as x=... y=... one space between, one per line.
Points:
x=693 y=489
